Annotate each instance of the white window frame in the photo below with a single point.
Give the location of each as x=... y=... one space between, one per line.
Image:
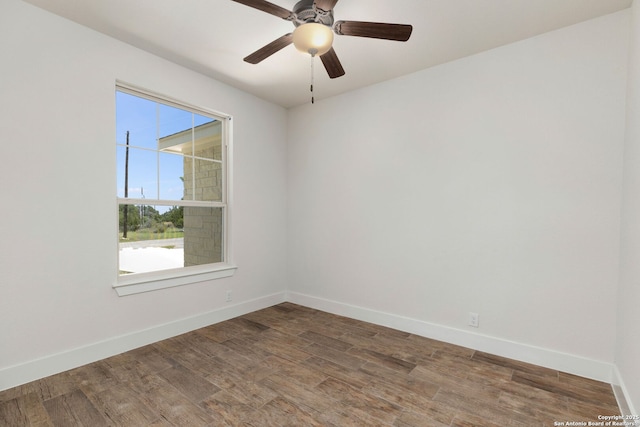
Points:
x=135 y=283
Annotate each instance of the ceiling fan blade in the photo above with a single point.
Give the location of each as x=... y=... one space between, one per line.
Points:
x=376 y=30
x=332 y=64
x=268 y=50
x=325 y=5
x=265 y=6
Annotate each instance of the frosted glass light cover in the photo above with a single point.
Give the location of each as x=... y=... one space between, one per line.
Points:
x=313 y=38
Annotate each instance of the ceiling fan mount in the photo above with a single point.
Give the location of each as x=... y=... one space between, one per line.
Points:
x=305 y=12
x=321 y=12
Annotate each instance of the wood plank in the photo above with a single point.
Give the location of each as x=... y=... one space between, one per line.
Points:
x=227 y=410
x=298 y=393
x=94 y=378
x=174 y=407
x=74 y=409
x=339 y=357
x=11 y=414
x=515 y=365
x=390 y=362
x=193 y=386
x=325 y=340
x=280 y=412
x=552 y=385
x=356 y=378
x=33 y=407
x=123 y=406
x=369 y=408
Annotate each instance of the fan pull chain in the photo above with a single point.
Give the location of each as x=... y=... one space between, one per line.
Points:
x=312 y=73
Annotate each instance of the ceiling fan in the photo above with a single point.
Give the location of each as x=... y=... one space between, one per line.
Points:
x=314 y=30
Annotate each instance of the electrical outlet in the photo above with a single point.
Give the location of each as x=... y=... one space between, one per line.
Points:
x=474 y=319
x=229 y=296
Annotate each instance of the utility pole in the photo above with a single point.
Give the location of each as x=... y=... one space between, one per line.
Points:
x=126 y=188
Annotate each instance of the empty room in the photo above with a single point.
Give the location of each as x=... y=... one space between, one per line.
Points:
x=429 y=216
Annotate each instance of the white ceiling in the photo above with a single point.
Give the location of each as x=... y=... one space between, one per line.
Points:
x=213 y=36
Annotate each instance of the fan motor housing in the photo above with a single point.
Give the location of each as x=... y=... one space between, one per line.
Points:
x=305 y=13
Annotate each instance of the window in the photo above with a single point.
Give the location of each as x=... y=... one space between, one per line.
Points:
x=172 y=192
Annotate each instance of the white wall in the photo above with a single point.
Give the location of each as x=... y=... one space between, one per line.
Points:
x=58 y=227
x=628 y=332
x=491 y=184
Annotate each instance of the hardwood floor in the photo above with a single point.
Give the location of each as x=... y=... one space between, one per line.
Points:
x=293 y=366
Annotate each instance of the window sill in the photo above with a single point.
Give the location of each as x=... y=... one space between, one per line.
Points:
x=131 y=284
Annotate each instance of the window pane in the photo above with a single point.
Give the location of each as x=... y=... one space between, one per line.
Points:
x=209 y=145
x=142 y=167
x=173 y=121
x=172 y=174
x=203 y=175
x=154 y=240
x=165 y=237
x=138 y=116
x=199 y=119
x=207 y=138
x=203 y=235
x=208 y=180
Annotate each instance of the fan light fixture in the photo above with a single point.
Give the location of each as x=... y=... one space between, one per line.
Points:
x=314 y=30
x=313 y=38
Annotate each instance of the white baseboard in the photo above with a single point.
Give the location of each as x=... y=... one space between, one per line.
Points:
x=594 y=369
x=620 y=391
x=16 y=375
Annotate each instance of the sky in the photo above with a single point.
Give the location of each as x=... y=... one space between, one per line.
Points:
x=152 y=175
